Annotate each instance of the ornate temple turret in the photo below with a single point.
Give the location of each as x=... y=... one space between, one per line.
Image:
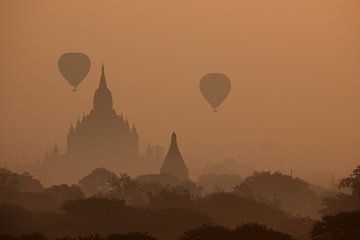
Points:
x=56 y=151
x=77 y=124
x=71 y=129
x=54 y=155
x=133 y=130
x=127 y=126
x=174 y=163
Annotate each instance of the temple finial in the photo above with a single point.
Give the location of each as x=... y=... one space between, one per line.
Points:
x=102 y=78
x=173 y=137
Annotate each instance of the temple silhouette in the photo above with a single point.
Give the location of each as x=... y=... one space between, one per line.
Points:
x=174 y=163
x=102 y=133
x=103 y=138
x=100 y=138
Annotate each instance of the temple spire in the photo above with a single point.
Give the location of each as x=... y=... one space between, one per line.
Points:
x=102 y=83
x=173 y=144
x=174 y=163
x=173 y=139
x=103 y=98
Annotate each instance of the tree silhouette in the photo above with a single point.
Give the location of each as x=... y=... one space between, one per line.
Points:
x=244 y=232
x=171 y=197
x=292 y=194
x=131 y=236
x=32 y=236
x=256 y=231
x=21 y=182
x=225 y=182
x=98 y=181
x=339 y=203
x=207 y=232
x=353 y=182
x=342 y=226
x=127 y=188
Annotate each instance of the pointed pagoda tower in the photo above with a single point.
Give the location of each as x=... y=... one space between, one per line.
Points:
x=174 y=163
x=102 y=137
x=103 y=101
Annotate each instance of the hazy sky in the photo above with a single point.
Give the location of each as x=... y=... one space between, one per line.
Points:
x=294 y=66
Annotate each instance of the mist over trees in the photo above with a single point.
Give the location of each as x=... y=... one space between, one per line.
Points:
x=292 y=194
x=105 y=205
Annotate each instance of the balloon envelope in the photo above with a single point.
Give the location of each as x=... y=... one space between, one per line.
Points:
x=74 y=67
x=215 y=87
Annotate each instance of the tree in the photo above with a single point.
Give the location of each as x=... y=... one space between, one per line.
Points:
x=127 y=188
x=98 y=181
x=292 y=194
x=207 y=232
x=339 y=203
x=192 y=188
x=171 y=197
x=131 y=236
x=163 y=179
x=256 y=231
x=8 y=179
x=342 y=226
x=245 y=232
x=58 y=194
x=21 y=182
x=226 y=182
x=353 y=182
x=32 y=236
x=106 y=216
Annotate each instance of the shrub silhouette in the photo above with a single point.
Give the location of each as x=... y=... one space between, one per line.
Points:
x=164 y=212
x=244 y=232
x=131 y=236
x=32 y=236
x=207 y=232
x=255 y=231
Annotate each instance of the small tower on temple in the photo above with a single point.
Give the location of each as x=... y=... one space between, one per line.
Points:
x=56 y=151
x=174 y=163
x=54 y=155
x=333 y=186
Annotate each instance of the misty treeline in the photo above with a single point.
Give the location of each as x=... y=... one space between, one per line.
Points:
x=104 y=205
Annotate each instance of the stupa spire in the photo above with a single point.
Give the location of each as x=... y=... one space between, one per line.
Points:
x=102 y=83
x=174 y=163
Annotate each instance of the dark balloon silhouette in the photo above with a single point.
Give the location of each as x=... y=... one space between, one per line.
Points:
x=74 y=67
x=215 y=87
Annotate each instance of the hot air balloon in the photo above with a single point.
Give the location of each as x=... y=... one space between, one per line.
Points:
x=215 y=87
x=74 y=67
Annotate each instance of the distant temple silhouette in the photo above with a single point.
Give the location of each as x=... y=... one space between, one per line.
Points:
x=101 y=138
x=174 y=163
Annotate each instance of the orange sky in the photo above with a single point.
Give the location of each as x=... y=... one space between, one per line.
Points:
x=294 y=66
